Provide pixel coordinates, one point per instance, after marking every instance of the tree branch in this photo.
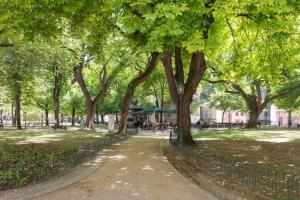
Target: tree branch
(167, 63)
(134, 11)
(283, 93)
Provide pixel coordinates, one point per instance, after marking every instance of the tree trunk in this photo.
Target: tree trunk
(102, 118)
(223, 115)
(290, 118)
(56, 109)
(253, 118)
(117, 119)
(125, 110)
(42, 121)
(13, 116)
(61, 118)
(186, 128)
(18, 110)
(196, 72)
(97, 117)
(47, 117)
(73, 115)
(130, 90)
(90, 111)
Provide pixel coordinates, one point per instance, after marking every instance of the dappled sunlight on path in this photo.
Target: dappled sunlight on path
(134, 169)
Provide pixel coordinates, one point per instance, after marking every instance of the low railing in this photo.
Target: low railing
(269, 183)
(17, 176)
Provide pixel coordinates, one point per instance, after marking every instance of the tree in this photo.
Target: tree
(73, 102)
(136, 81)
(160, 25)
(157, 86)
(17, 69)
(225, 101)
(104, 68)
(290, 103)
(56, 69)
(260, 61)
(44, 101)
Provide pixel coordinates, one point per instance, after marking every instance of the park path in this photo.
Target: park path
(134, 169)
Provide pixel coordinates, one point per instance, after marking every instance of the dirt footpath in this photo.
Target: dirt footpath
(135, 169)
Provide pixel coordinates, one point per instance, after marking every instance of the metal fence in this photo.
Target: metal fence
(88, 150)
(18, 175)
(269, 183)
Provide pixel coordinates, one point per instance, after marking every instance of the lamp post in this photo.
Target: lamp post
(180, 91)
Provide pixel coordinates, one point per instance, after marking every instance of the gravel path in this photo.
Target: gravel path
(134, 169)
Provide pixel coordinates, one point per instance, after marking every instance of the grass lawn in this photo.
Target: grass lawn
(276, 135)
(29, 156)
(276, 149)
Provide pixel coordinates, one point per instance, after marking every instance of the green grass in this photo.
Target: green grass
(272, 135)
(29, 156)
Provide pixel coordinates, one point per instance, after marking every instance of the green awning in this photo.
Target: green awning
(158, 110)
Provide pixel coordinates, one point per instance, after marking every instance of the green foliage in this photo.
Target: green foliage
(224, 101)
(17, 67)
(290, 102)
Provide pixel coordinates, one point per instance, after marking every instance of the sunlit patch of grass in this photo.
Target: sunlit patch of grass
(269, 135)
(44, 135)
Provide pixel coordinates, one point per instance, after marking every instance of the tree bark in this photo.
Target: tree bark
(56, 109)
(223, 115)
(13, 116)
(58, 84)
(104, 83)
(290, 118)
(117, 119)
(131, 87)
(18, 110)
(253, 118)
(186, 128)
(97, 117)
(90, 110)
(102, 118)
(73, 115)
(47, 117)
(196, 72)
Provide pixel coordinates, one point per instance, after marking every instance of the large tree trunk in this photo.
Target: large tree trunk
(130, 90)
(125, 110)
(73, 115)
(90, 111)
(18, 110)
(290, 118)
(196, 72)
(186, 128)
(253, 118)
(47, 116)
